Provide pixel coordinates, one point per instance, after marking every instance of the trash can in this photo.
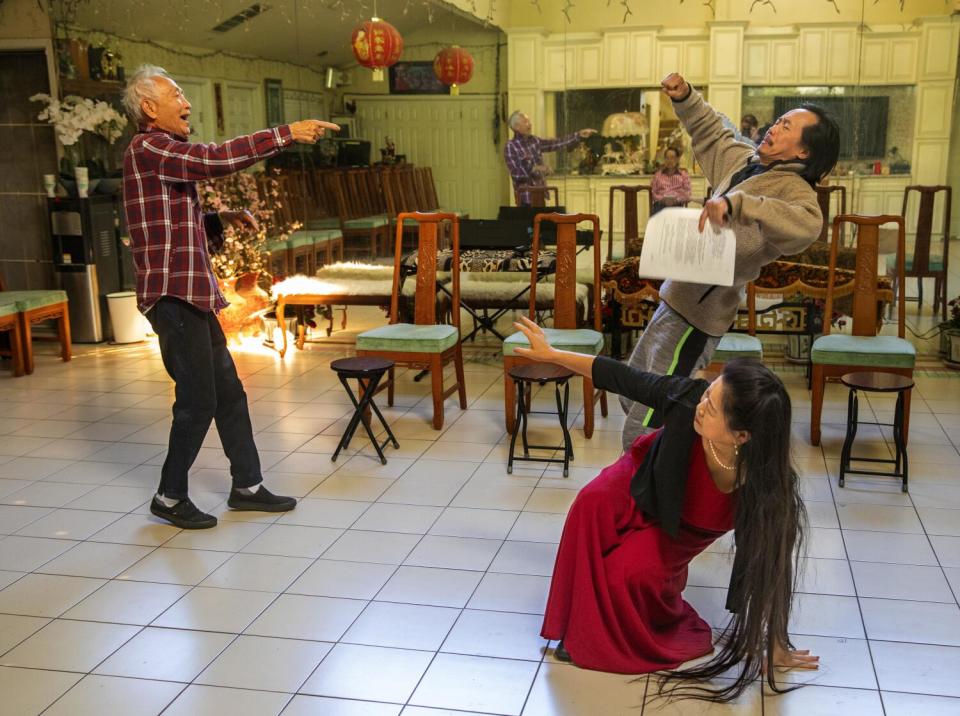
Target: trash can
(125, 317)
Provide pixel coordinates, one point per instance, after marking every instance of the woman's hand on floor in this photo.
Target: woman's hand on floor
(784, 658)
(539, 349)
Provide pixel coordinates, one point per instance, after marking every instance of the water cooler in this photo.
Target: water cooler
(86, 260)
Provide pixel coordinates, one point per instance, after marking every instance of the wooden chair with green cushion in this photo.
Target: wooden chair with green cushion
(834, 354)
(740, 345)
(372, 231)
(825, 194)
(36, 306)
(10, 324)
(631, 215)
(566, 333)
(423, 344)
(920, 263)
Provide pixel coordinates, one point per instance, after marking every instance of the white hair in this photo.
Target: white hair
(140, 86)
(514, 120)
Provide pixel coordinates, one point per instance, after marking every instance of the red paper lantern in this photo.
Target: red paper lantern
(453, 66)
(376, 44)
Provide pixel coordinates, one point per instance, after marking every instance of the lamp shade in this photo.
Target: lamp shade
(624, 124)
(376, 44)
(453, 66)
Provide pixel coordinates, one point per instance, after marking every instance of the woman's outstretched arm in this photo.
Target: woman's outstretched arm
(541, 351)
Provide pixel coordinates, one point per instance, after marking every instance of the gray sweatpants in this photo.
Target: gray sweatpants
(668, 346)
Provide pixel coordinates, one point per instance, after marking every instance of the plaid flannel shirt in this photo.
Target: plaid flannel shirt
(676, 186)
(172, 237)
(525, 151)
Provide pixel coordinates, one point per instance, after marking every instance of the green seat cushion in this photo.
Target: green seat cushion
(8, 308)
(576, 340)
(299, 239)
(323, 235)
(734, 345)
(935, 263)
(274, 245)
(367, 222)
(880, 351)
(329, 222)
(28, 300)
(409, 338)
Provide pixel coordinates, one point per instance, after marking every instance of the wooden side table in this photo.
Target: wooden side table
(524, 376)
(875, 382)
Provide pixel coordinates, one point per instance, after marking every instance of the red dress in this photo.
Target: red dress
(616, 596)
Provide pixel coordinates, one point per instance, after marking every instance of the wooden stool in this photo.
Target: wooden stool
(524, 376)
(368, 370)
(872, 382)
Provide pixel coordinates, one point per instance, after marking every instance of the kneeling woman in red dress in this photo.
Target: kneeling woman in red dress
(721, 461)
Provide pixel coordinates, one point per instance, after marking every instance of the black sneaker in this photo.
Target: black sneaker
(184, 514)
(560, 653)
(260, 501)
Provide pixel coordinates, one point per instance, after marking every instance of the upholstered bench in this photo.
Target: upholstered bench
(33, 307)
(340, 284)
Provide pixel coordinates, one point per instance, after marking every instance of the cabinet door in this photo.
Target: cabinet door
(871, 202)
(873, 60)
(558, 67)
(669, 57)
(577, 197)
(643, 59)
(813, 55)
(784, 61)
(902, 67)
(589, 65)
(523, 52)
(696, 61)
(842, 60)
(756, 62)
(616, 59)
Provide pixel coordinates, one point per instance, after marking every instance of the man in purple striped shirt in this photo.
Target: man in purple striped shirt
(178, 292)
(524, 153)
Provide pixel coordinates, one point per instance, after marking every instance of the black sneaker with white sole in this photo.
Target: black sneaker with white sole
(184, 514)
(260, 501)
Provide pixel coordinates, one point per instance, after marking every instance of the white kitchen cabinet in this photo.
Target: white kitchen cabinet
(523, 54)
(588, 65)
(696, 61)
(783, 54)
(616, 59)
(558, 65)
(842, 61)
(902, 62)
(642, 50)
(757, 62)
(814, 46)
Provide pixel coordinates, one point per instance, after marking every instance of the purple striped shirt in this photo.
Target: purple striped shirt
(525, 151)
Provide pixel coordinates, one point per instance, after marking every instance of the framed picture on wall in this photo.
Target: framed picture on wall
(415, 78)
(273, 90)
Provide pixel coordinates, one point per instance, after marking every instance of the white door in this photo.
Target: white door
(198, 92)
(241, 110)
(451, 135)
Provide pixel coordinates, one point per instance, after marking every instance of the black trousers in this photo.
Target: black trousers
(195, 355)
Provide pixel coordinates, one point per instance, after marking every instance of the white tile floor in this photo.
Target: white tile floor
(414, 588)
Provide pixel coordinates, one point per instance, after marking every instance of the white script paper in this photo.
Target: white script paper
(674, 248)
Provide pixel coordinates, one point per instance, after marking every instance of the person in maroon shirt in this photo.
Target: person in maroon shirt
(177, 290)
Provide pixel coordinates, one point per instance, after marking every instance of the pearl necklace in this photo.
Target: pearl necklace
(716, 457)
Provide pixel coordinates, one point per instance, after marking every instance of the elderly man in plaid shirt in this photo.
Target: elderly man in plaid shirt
(176, 288)
(524, 153)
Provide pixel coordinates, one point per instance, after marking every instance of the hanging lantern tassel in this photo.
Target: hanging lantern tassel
(453, 66)
(376, 44)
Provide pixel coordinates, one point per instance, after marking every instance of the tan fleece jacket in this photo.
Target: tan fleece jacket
(774, 214)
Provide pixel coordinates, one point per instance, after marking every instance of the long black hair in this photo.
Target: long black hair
(770, 527)
(822, 141)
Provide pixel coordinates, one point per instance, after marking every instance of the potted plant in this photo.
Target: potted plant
(241, 265)
(74, 119)
(950, 335)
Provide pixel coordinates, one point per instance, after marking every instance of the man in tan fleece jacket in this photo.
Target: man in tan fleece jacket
(765, 195)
